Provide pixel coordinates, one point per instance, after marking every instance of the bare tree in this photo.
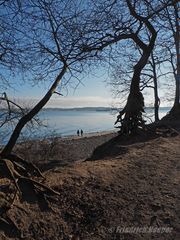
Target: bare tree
(134, 118)
(170, 17)
(54, 40)
(132, 112)
(150, 76)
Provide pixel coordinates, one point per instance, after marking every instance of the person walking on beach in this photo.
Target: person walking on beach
(78, 132)
(81, 132)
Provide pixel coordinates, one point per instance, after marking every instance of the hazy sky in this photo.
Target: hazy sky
(94, 91)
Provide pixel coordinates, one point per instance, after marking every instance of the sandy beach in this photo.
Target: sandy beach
(63, 150)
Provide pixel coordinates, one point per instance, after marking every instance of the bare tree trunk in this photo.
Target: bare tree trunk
(176, 107)
(156, 97)
(135, 96)
(135, 104)
(29, 116)
(134, 108)
(177, 41)
(156, 103)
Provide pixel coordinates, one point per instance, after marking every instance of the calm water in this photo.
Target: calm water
(66, 122)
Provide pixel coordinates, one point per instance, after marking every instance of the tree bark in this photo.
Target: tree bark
(29, 116)
(176, 106)
(156, 97)
(135, 104)
(156, 103)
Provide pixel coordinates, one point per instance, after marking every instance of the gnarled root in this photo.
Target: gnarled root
(23, 176)
(9, 227)
(17, 173)
(130, 117)
(26, 168)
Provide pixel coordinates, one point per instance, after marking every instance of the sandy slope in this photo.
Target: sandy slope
(124, 184)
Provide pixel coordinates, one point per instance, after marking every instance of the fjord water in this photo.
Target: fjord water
(65, 122)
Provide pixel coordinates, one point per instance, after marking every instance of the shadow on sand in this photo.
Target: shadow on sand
(120, 144)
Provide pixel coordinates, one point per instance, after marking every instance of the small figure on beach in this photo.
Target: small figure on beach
(78, 132)
(81, 132)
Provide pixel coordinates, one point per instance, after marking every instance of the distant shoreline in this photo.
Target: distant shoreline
(92, 108)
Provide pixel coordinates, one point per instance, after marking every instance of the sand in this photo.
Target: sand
(106, 183)
(63, 151)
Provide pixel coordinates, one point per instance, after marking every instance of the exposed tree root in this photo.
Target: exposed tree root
(13, 171)
(21, 174)
(25, 167)
(163, 128)
(130, 117)
(173, 115)
(9, 227)
(6, 224)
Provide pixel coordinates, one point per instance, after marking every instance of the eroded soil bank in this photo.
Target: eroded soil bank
(132, 183)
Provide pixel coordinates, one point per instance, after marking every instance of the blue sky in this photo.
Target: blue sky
(93, 92)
